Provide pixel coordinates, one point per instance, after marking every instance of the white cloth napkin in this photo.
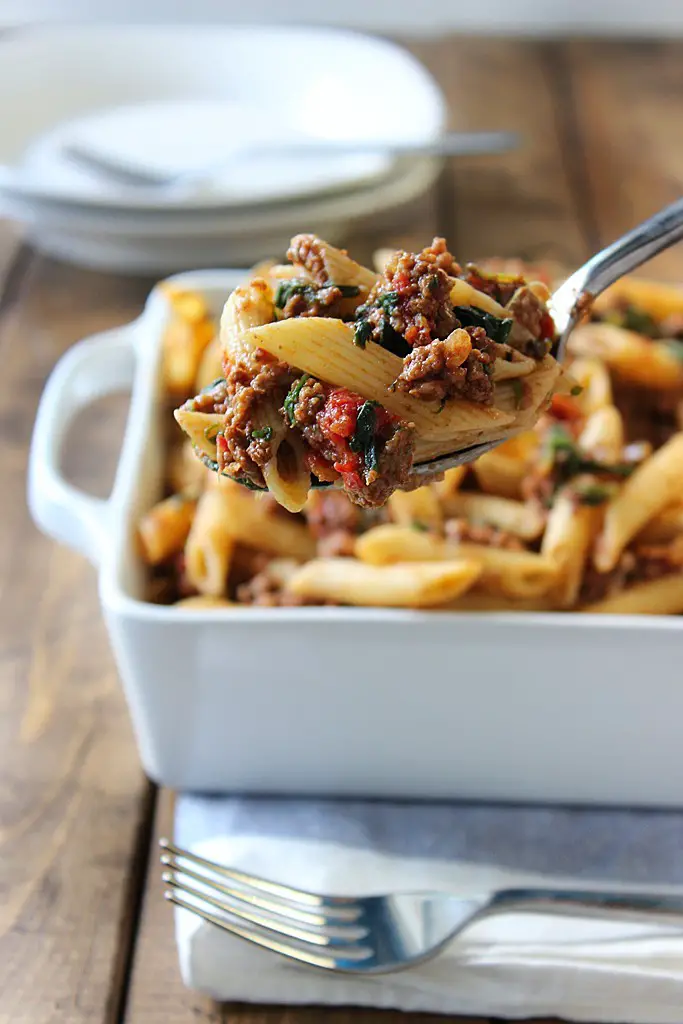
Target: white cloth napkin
(511, 966)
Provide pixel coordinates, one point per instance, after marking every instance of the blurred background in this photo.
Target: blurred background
(537, 17)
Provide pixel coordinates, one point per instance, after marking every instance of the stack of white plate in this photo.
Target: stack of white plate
(176, 99)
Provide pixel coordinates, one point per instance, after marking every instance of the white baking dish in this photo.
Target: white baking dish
(552, 707)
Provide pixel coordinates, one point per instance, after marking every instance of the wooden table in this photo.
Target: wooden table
(84, 933)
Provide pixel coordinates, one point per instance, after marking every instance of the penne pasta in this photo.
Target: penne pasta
(510, 573)
(655, 597)
(655, 298)
(515, 517)
(421, 507)
(452, 479)
(163, 530)
(593, 378)
(568, 536)
(652, 487)
(184, 471)
(210, 545)
(629, 355)
(413, 585)
(603, 435)
(665, 527)
(210, 366)
(251, 519)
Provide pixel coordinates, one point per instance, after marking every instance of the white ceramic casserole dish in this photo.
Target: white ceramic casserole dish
(533, 707)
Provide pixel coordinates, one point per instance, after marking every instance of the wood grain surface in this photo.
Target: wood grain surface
(84, 933)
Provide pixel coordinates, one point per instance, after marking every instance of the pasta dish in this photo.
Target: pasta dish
(331, 373)
(584, 511)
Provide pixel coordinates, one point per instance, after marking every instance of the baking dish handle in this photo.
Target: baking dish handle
(98, 366)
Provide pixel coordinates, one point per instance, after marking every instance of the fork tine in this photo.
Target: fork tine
(311, 957)
(244, 896)
(283, 892)
(274, 925)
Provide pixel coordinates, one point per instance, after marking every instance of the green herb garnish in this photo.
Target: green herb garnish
(421, 527)
(348, 291)
(212, 432)
(594, 494)
(288, 289)
(569, 460)
(496, 329)
(264, 434)
(293, 397)
(576, 390)
(362, 332)
(364, 440)
(433, 283)
(388, 302)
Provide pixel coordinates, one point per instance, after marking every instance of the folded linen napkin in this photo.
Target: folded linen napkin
(514, 966)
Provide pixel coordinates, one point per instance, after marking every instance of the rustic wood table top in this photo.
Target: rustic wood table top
(84, 933)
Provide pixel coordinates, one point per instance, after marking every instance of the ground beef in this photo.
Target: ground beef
(501, 289)
(461, 531)
(438, 371)
(413, 296)
(308, 300)
(393, 469)
(310, 401)
(249, 385)
(528, 310)
(633, 567)
(308, 251)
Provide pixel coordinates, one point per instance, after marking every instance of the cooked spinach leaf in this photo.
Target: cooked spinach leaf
(264, 434)
(364, 439)
(496, 329)
(293, 397)
(362, 332)
(295, 286)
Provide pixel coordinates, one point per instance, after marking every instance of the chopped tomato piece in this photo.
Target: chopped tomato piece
(564, 407)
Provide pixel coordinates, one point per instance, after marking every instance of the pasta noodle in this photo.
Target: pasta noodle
(415, 585)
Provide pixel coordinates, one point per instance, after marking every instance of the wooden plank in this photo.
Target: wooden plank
(73, 800)
(528, 202)
(628, 103)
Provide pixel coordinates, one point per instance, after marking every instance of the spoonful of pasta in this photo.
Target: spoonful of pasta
(336, 374)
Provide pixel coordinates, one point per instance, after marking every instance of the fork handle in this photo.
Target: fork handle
(634, 248)
(601, 904)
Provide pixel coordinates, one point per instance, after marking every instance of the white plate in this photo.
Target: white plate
(158, 245)
(171, 98)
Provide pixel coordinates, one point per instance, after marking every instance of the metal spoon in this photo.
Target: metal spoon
(121, 172)
(628, 252)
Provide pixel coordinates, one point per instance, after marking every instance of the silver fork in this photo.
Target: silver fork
(630, 251)
(369, 934)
